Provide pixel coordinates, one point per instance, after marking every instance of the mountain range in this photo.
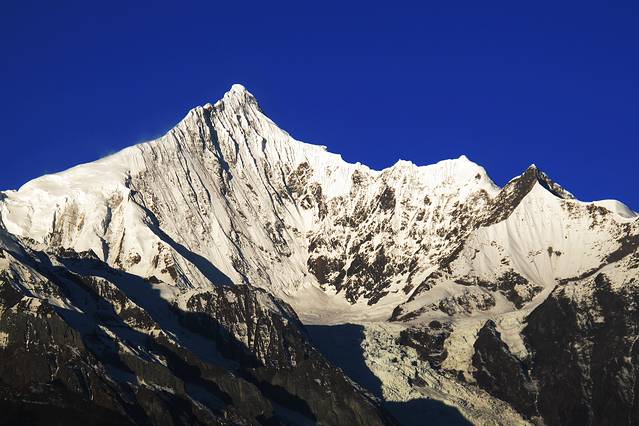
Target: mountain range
(227, 273)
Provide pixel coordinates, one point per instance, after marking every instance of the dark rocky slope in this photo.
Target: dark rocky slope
(79, 340)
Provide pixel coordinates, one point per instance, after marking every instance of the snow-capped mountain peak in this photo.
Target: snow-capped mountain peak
(544, 180)
(239, 95)
(219, 163)
(228, 198)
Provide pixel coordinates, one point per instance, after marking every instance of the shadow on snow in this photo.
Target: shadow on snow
(341, 345)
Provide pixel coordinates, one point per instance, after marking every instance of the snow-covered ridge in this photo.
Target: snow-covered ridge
(231, 147)
(110, 169)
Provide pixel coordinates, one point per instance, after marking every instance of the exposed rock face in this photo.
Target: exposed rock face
(168, 283)
(501, 373)
(428, 341)
(80, 338)
(264, 333)
(371, 243)
(582, 364)
(584, 356)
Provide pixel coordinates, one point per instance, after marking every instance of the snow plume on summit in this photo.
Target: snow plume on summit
(207, 248)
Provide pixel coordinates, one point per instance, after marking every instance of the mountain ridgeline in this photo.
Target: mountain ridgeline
(206, 277)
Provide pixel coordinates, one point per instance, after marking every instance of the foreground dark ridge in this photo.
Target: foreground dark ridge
(116, 352)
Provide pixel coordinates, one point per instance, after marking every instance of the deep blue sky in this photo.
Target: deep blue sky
(507, 84)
